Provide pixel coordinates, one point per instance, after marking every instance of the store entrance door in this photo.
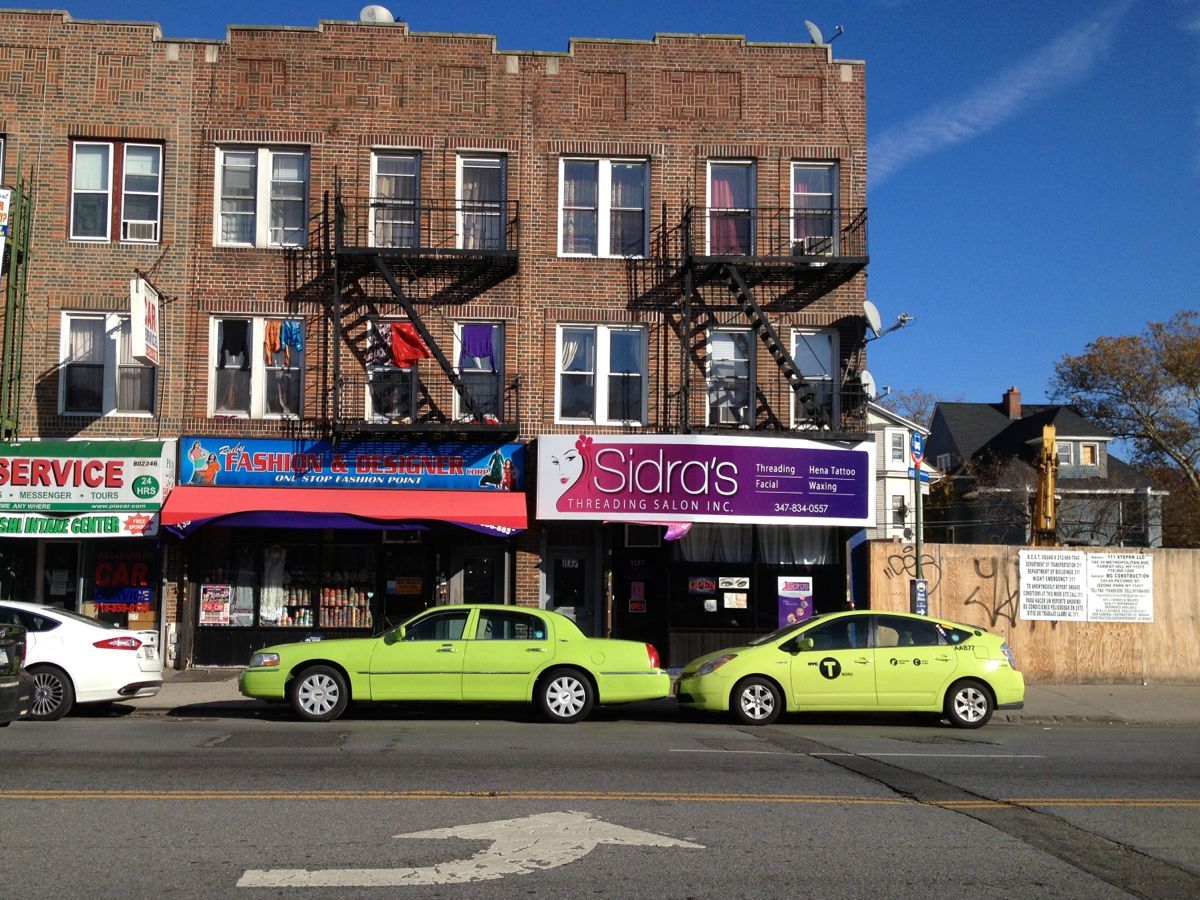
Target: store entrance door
(479, 574)
(570, 586)
(60, 574)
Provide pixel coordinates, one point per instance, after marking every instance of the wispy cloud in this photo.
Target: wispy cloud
(1060, 63)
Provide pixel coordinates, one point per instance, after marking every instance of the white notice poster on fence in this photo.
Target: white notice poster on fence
(1073, 586)
(1053, 585)
(1120, 587)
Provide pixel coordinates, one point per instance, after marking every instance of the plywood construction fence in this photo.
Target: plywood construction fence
(979, 584)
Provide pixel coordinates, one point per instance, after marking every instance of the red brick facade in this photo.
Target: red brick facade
(341, 89)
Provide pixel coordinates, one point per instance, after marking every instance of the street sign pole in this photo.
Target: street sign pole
(918, 455)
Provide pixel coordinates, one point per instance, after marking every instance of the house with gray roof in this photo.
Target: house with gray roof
(989, 451)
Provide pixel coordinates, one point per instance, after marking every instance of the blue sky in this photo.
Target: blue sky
(1034, 167)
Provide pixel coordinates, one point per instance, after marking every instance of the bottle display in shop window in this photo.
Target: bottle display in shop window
(346, 600)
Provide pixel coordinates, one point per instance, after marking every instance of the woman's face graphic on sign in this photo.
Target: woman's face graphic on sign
(568, 466)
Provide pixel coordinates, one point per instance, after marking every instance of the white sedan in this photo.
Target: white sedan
(77, 659)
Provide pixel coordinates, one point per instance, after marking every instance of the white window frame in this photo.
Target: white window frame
(3, 147)
(482, 159)
(832, 378)
(255, 337)
(896, 511)
(115, 195)
(378, 201)
(1095, 448)
(128, 224)
(750, 211)
(107, 191)
(818, 245)
(1064, 452)
(263, 198)
(751, 376)
(897, 441)
(113, 324)
(943, 462)
(604, 207)
(601, 372)
(498, 337)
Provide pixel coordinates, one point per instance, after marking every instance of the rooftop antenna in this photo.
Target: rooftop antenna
(839, 31)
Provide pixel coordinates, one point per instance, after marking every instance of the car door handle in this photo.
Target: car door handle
(445, 648)
(863, 662)
(535, 649)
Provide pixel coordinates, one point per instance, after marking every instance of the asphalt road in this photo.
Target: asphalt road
(492, 803)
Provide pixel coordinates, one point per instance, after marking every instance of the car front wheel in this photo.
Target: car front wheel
(565, 695)
(53, 694)
(319, 694)
(969, 705)
(756, 701)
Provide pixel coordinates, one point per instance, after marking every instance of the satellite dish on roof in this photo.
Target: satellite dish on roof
(814, 32)
(867, 380)
(874, 322)
(375, 14)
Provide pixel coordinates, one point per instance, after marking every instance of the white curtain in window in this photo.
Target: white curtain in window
(87, 341)
(91, 168)
(795, 544)
(718, 544)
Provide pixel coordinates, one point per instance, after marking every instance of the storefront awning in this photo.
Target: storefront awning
(491, 512)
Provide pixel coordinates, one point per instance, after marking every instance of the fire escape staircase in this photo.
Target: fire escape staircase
(812, 410)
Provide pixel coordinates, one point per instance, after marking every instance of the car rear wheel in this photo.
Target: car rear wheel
(756, 701)
(53, 694)
(969, 704)
(565, 695)
(319, 694)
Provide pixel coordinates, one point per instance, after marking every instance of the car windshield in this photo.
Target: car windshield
(79, 617)
(781, 633)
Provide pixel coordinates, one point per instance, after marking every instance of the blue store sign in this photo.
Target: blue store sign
(450, 465)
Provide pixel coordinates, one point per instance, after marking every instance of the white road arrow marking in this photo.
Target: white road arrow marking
(519, 846)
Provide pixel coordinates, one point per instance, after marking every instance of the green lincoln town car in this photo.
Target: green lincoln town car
(859, 661)
(470, 653)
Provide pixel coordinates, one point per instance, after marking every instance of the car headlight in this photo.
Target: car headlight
(713, 664)
(264, 660)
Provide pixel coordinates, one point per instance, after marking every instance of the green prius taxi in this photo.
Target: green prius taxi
(859, 661)
(471, 653)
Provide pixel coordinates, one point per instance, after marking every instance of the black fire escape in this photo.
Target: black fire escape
(720, 265)
(376, 262)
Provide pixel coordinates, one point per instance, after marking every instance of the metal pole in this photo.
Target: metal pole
(917, 521)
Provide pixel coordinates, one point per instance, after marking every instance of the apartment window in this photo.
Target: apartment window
(731, 377)
(1089, 454)
(394, 348)
(480, 352)
(395, 218)
(602, 374)
(481, 208)
(816, 356)
(136, 170)
(258, 367)
(262, 197)
(814, 208)
(899, 510)
(1064, 452)
(731, 191)
(602, 207)
(898, 445)
(3, 145)
(99, 374)
(943, 462)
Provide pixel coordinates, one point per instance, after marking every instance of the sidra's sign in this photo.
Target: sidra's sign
(702, 478)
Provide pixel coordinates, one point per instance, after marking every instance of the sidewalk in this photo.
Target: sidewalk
(213, 691)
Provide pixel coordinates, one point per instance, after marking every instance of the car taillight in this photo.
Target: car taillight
(1008, 654)
(118, 643)
(653, 654)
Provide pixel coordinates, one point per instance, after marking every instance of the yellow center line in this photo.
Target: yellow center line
(812, 799)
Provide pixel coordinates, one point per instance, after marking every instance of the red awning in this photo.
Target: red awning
(495, 512)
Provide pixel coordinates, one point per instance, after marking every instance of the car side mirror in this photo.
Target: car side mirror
(804, 644)
(394, 636)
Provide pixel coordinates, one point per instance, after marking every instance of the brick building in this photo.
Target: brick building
(405, 282)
